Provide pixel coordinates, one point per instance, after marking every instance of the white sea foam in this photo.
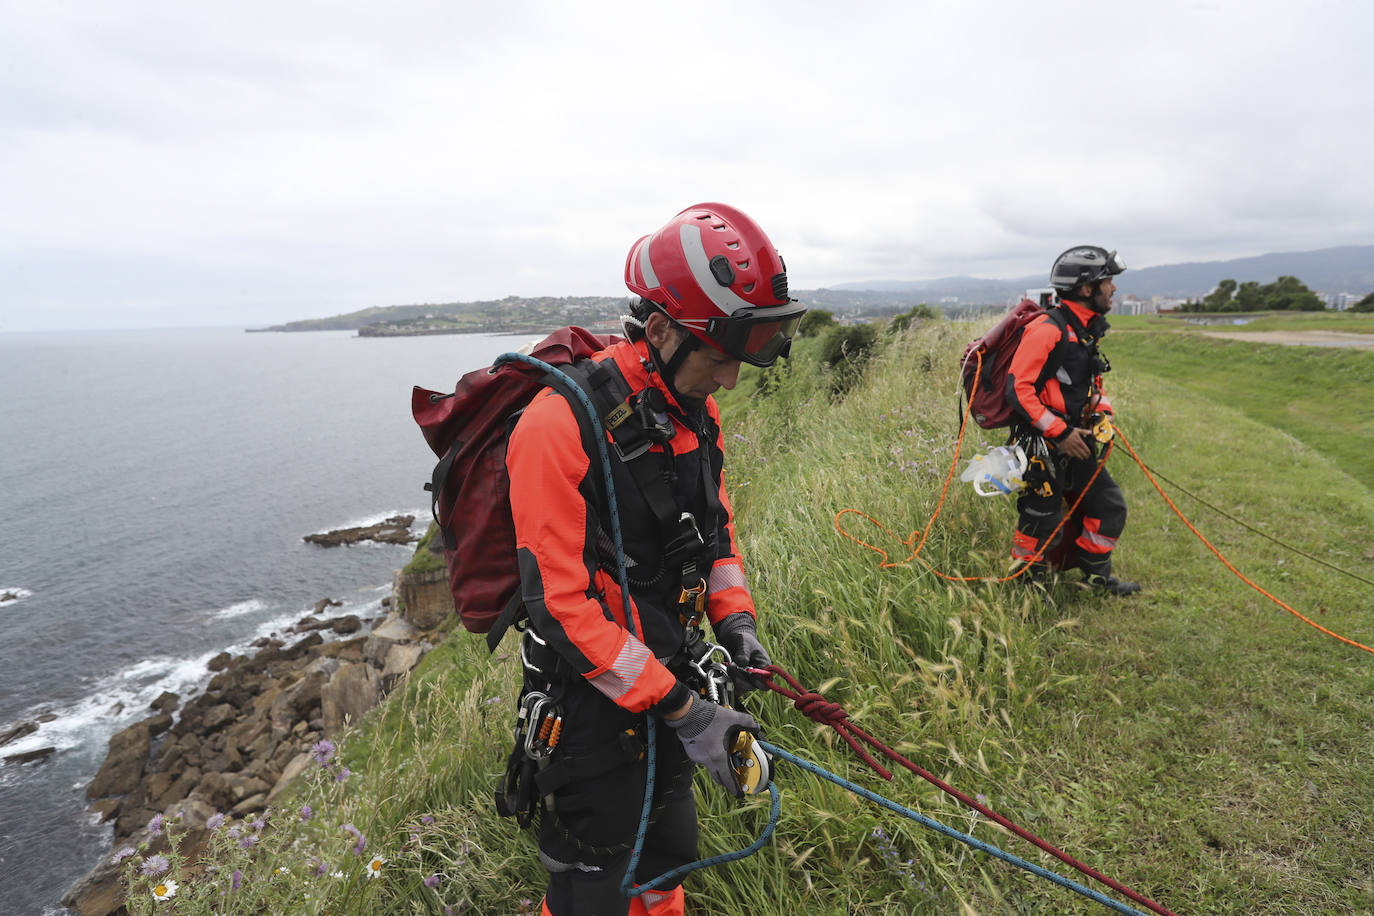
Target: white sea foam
(126, 696)
(13, 595)
(251, 606)
(117, 700)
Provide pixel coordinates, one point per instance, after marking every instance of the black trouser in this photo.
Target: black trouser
(1041, 506)
(586, 840)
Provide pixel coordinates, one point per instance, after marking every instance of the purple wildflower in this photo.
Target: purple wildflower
(426, 819)
(432, 881)
(323, 751)
(321, 869)
(154, 866)
(249, 841)
(306, 812)
(122, 854)
(234, 831)
(235, 880)
(343, 774)
(357, 835)
(258, 825)
(215, 821)
(155, 825)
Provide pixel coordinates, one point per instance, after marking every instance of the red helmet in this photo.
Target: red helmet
(712, 270)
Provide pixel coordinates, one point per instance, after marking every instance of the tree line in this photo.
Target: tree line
(1286, 294)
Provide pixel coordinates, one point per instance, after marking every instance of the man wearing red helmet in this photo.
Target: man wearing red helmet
(1055, 384)
(713, 294)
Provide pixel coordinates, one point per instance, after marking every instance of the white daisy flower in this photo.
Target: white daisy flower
(374, 867)
(165, 890)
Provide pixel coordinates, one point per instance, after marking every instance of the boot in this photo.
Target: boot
(1097, 577)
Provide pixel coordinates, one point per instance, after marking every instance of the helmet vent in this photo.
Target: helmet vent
(749, 287)
(743, 265)
(780, 287)
(732, 245)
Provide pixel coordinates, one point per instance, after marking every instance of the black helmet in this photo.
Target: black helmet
(1084, 264)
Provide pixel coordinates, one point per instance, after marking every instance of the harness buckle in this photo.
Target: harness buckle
(691, 604)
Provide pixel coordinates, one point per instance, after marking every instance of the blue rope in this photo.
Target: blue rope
(951, 832)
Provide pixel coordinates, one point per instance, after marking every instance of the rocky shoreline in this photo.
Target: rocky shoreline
(237, 747)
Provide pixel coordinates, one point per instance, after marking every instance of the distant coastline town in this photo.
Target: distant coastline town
(1330, 279)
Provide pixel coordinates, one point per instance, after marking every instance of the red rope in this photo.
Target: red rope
(818, 708)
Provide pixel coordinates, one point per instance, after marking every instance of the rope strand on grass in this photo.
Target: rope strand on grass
(814, 705)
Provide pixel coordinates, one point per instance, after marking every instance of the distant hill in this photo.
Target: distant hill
(1346, 269)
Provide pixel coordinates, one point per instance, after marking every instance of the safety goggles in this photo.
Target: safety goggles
(757, 336)
(1114, 264)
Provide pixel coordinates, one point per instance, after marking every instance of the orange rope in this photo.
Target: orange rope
(1227, 563)
(939, 506)
(886, 563)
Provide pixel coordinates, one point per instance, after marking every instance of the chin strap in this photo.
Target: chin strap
(668, 371)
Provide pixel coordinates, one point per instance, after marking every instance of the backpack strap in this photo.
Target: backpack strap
(513, 612)
(637, 421)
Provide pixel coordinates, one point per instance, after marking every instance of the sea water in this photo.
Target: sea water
(155, 487)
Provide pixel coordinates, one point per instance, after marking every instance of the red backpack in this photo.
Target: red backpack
(988, 405)
(469, 489)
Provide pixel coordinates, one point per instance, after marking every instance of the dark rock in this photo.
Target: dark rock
(124, 763)
(41, 753)
(351, 692)
(217, 716)
(347, 624)
(167, 702)
(307, 624)
(300, 648)
(158, 724)
(324, 603)
(219, 662)
(395, 530)
(250, 805)
(19, 731)
(106, 808)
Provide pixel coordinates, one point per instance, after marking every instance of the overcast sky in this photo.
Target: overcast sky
(249, 163)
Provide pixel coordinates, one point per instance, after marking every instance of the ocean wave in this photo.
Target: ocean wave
(13, 595)
(115, 701)
(118, 700)
(252, 606)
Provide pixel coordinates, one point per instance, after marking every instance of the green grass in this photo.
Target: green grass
(1347, 322)
(1197, 743)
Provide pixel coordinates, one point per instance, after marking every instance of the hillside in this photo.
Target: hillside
(1197, 743)
(1333, 270)
(1342, 269)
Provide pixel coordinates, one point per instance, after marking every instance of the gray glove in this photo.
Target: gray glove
(738, 635)
(706, 732)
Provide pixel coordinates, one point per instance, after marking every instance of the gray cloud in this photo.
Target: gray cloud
(254, 162)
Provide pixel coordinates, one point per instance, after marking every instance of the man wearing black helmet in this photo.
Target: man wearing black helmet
(1055, 383)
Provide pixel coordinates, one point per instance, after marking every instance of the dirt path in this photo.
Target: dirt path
(1301, 338)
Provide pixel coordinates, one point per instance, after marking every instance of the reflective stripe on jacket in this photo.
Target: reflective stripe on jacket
(568, 581)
